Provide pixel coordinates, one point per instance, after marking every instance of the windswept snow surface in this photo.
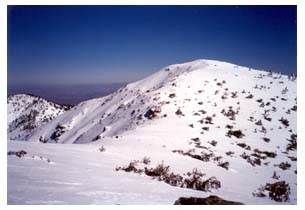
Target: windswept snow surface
(195, 108)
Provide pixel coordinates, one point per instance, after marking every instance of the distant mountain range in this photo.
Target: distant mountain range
(66, 94)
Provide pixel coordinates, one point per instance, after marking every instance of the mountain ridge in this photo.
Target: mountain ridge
(143, 92)
(27, 112)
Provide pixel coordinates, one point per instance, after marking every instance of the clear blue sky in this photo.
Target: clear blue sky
(105, 44)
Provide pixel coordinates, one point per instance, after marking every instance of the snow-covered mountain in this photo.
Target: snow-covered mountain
(235, 124)
(183, 95)
(25, 113)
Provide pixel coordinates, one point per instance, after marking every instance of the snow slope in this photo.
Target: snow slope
(228, 121)
(192, 82)
(25, 113)
(80, 174)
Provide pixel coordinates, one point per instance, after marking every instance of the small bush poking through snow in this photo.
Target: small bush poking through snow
(146, 160)
(196, 182)
(224, 164)
(284, 121)
(265, 153)
(244, 145)
(259, 122)
(213, 143)
(130, 168)
(294, 108)
(284, 165)
(249, 96)
(208, 120)
(266, 139)
(230, 113)
(102, 149)
(230, 153)
(161, 172)
(275, 176)
(19, 154)
(229, 126)
(237, 133)
(252, 162)
(205, 157)
(179, 112)
(292, 143)
(278, 191)
(172, 95)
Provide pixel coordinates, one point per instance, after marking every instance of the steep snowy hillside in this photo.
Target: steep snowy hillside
(25, 113)
(211, 127)
(185, 94)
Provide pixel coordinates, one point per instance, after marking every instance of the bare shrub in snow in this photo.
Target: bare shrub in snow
(292, 158)
(249, 96)
(253, 162)
(146, 160)
(213, 143)
(224, 164)
(294, 108)
(230, 153)
(292, 143)
(205, 157)
(265, 153)
(237, 133)
(102, 149)
(208, 120)
(244, 145)
(275, 176)
(259, 123)
(259, 192)
(130, 168)
(202, 111)
(42, 139)
(266, 139)
(230, 113)
(172, 95)
(179, 112)
(59, 130)
(266, 115)
(285, 90)
(152, 112)
(229, 126)
(278, 191)
(284, 165)
(223, 97)
(284, 121)
(217, 158)
(234, 94)
(195, 181)
(161, 172)
(19, 154)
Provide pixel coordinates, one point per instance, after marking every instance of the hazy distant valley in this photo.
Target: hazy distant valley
(66, 94)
